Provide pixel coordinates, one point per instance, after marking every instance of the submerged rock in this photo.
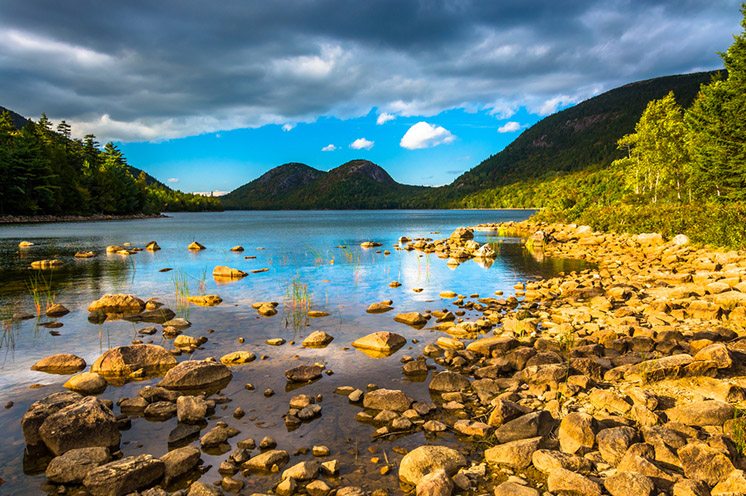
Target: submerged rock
(205, 300)
(317, 339)
(238, 358)
(195, 374)
(387, 399)
(304, 373)
(61, 363)
(39, 411)
(224, 272)
(414, 319)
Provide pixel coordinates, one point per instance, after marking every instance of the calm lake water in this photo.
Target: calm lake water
(301, 250)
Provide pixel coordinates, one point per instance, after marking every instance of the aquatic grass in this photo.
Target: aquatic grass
(41, 290)
(298, 302)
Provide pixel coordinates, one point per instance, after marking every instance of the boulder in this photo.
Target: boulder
(446, 382)
(152, 246)
(668, 367)
(734, 484)
(305, 470)
(562, 481)
(545, 461)
(382, 341)
(701, 413)
(387, 399)
(125, 476)
(134, 360)
(380, 307)
(493, 344)
(304, 373)
(57, 310)
(195, 246)
(576, 432)
(202, 489)
(508, 488)
(530, 425)
(614, 442)
(629, 484)
(84, 424)
(414, 319)
(264, 462)
(191, 409)
(61, 363)
(196, 374)
(317, 339)
(127, 304)
(224, 272)
(237, 358)
(39, 411)
(426, 459)
(72, 466)
(704, 463)
(436, 483)
(504, 411)
(87, 383)
(179, 462)
(716, 352)
(513, 454)
(205, 300)
(462, 234)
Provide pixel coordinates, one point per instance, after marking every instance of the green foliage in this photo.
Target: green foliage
(46, 172)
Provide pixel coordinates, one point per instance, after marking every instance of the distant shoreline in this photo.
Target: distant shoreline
(43, 219)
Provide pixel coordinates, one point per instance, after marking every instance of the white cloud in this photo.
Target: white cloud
(362, 144)
(329, 148)
(509, 127)
(384, 118)
(287, 127)
(425, 135)
(172, 180)
(551, 105)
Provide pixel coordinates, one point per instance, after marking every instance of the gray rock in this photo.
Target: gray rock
(87, 423)
(124, 476)
(191, 409)
(196, 374)
(39, 411)
(387, 399)
(179, 462)
(74, 465)
(447, 382)
(304, 373)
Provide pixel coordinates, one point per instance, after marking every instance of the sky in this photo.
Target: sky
(209, 95)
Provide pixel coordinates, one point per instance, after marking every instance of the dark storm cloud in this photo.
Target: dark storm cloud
(147, 70)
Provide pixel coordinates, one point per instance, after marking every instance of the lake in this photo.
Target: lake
(313, 253)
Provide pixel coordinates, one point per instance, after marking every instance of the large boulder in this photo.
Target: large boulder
(196, 374)
(39, 411)
(576, 432)
(462, 234)
(382, 341)
(126, 304)
(421, 461)
(86, 383)
(72, 466)
(137, 360)
(124, 476)
(84, 424)
(704, 463)
(61, 363)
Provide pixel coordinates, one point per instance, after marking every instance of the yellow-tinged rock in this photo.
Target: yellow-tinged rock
(237, 248)
(25, 244)
(238, 358)
(85, 254)
(317, 313)
(224, 272)
(152, 246)
(205, 300)
(195, 246)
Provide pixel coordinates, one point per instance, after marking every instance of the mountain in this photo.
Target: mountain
(576, 138)
(18, 120)
(358, 184)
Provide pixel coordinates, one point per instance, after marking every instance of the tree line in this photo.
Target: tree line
(44, 171)
(697, 154)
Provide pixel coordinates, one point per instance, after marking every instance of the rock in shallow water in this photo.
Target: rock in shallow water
(140, 359)
(74, 465)
(195, 374)
(61, 363)
(86, 423)
(425, 459)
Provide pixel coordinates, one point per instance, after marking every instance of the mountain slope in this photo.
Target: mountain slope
(272, 188)
(576, 138)
(358, 184)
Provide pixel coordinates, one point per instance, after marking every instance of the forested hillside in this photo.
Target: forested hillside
(45, 171)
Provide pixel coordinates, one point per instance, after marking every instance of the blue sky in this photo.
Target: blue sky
(199, 92)
(223, 160)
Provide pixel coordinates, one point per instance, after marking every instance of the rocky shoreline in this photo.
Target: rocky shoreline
(39, 219)
(625, 379)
